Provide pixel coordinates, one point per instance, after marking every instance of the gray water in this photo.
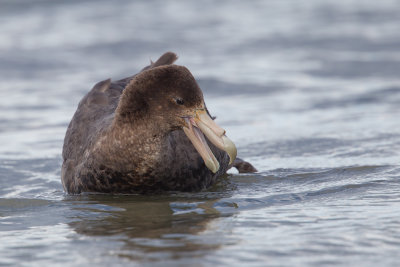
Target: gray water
(308, 90)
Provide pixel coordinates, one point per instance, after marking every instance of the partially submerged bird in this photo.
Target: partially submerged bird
(145, 133)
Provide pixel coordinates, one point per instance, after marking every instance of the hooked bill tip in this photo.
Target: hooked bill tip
(211, 165)
(230, 148)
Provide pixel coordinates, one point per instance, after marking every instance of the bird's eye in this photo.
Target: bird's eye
(179, 101)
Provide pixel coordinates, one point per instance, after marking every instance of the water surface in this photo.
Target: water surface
(309, 92)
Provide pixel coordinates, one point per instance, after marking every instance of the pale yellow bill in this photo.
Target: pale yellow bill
(203, 124)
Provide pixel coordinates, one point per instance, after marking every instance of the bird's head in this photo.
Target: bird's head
(168, 98)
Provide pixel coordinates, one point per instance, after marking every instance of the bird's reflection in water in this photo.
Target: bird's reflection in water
(150, 225)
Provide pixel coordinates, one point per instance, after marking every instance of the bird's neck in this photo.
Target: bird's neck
(137, 147)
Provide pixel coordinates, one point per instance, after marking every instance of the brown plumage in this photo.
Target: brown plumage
(126, 136)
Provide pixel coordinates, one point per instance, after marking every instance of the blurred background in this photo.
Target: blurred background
(332, 64)
(308, 90)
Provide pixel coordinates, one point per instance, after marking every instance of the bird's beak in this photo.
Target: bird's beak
(202, 124)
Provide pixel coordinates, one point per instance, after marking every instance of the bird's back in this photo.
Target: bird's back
(94, 115)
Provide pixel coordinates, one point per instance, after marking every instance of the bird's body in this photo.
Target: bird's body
(127, 137)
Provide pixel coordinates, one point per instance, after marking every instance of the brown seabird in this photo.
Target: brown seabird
(145, 133)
